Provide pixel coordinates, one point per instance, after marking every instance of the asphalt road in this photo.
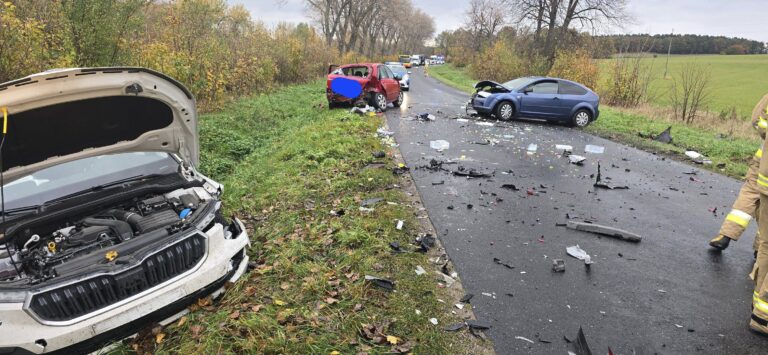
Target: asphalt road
(668, 294)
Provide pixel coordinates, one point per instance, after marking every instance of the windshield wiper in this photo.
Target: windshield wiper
(131, 179)
(13, 211)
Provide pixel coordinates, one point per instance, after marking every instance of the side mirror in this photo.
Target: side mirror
(398, 77)
(527, 90)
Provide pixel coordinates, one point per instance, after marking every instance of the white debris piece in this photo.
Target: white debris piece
(399, 224)
(459, 305)
(564, 147)
(526, 339)
(578, 253)
(433, 321)
(462, 120)
(693, 154)
(439, 144)
(532, 148)
(384, 133)
(418, 312)
(420, 270)
(594, 149)
(488, 124)
(576, 159)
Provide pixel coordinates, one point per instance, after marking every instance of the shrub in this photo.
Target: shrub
(499, 62)
(628, 81)
(576, 65)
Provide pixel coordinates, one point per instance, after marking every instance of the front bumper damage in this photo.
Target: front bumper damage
(225, 261)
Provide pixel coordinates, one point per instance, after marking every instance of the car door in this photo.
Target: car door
(570, 96)
(388, 82)
(541, 99)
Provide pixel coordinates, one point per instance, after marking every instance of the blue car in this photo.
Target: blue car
(537, 97)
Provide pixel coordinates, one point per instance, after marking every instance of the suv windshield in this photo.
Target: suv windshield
(517, 83)
(75, 176)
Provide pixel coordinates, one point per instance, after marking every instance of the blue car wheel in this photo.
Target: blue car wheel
(581, 118)
(504, 110)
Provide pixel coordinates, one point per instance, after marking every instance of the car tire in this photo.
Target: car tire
(504, 111)
(581, 118)
(399, 100)
(379, 101)
(332, 105)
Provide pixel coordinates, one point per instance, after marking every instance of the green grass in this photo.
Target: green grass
(458, 78)
(736, 80)
(627, 128)
(286, 161)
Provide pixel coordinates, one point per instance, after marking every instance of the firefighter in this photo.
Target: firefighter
(748, 201)
(759, 319)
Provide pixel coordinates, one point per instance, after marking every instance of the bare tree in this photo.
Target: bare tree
(485, 18)
(690, 91)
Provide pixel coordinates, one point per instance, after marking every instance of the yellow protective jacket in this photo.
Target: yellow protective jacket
(760, 122)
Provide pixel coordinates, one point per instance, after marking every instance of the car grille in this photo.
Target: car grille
(83, 297)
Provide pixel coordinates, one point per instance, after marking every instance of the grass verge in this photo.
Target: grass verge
(286, 161)
(729, 155)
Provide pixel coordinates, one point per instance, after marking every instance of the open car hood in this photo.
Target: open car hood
(487, 83)
(64, 115)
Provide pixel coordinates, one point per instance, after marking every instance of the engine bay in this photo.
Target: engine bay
(46, 252)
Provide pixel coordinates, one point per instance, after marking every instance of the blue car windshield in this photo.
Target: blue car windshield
(517, 83)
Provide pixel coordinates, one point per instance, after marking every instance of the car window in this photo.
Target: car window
(390, 74)
(67, 178)
(567, 88)
(384, 72)
(360, 71)
(545, 87)
(397, 69)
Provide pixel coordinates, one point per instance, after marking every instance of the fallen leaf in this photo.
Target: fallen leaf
(279, 302)
(335, 352)
(159, 337)
(393, 339)
(234, 315)
(358, 307)
(181, 322)
(331, 300)
(256, 308)
(284, 286)
(196, 330)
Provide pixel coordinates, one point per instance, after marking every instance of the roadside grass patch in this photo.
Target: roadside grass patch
(457, 78)
(286, 162)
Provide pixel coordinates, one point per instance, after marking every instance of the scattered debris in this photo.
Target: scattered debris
(441, 182)
(459, 305)
(433, 321)
(338, 213)
(400, 169)
(382, 283)
(594, 149)
(455, 327)
(471, 173)
(425, 242)
(697, 157)
(467, 298)
(665, 137)
(604, 230)
(532, 148)
(371, 201)
(525, 339)
(510, 187)
(498, 261)
(576, 159)
(384, 133)
(362, 110)
(439, 145)
(395, 246)
(602, 185)
(476, 324)
(399, 224)
(425, 116)
(420, 270)
(380, 154)
(578, 253)
(564, 147)
(488, 124)
(558, 265)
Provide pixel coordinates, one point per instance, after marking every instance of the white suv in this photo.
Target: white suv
(107, 224)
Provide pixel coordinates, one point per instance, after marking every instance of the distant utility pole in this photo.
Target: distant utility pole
(669, 51)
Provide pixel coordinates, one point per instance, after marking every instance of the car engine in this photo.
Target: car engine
(45, 254)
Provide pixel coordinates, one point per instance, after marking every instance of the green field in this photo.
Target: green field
(736, 80)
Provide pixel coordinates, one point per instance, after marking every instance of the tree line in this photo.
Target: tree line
(218, 51)
(682, 44)
(372, 27)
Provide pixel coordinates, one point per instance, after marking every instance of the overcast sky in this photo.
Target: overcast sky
(735, 18)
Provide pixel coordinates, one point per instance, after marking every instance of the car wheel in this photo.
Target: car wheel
(581, 118)
(505, 111)
(379, 101)
(332, 105)
(399, 100)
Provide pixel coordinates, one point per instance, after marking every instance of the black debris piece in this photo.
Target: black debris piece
(380, 154)
(469, 206)
(470, 173)
(338, 213)
(450, 207)
(561, 224)
(441, 182)
(510, 187)
(599, 184)
(395, 246)
(576, 159)
(664, 137)
(569, 341)
(371, 201)
(509, 295)
(379, 282)
(476, 324)
(402, 169)
(425, 242)
(581, 346)
(466, 298)
(507, 265)
(604, 230)
(720, 165)
(455, 327)
(483, 142)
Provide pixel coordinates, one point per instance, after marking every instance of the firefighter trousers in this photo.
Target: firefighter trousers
(759, 321)
(745, 207)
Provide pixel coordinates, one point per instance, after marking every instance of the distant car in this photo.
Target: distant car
(379, 86)
(537, 97)
(415, 62)
(401, 74)
(405, 60)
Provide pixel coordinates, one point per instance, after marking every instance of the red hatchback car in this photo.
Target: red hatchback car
(379, 85)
